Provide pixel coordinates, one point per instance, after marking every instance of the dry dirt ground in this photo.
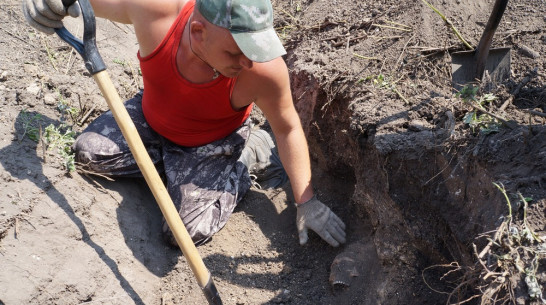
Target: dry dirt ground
(392, 156)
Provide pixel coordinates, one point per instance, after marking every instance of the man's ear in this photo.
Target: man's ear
(198, 31)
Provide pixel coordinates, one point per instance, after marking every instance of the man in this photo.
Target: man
(204, 64)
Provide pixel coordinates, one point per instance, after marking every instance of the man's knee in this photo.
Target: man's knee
(198, 237)
(98, 154)
(95, 144)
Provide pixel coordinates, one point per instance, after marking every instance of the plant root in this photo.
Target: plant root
(510, 257)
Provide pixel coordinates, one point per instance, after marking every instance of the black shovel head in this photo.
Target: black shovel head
(463, 67)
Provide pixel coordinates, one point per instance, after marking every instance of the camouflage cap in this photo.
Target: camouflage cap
(250, 23)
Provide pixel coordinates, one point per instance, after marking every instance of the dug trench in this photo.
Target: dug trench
(420, 194)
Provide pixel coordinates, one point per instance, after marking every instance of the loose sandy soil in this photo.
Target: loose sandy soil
(396, 162)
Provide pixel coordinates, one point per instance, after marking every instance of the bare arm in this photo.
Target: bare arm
(115, 10)
(150, 18)
(131, 11)
(270, 90)
(275, 100)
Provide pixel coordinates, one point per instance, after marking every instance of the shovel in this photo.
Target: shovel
(95, 65)
(469, 66)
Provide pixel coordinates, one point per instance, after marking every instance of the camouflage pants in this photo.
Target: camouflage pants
(205, 183)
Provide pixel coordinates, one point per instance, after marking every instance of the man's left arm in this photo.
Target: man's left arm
(274, 98)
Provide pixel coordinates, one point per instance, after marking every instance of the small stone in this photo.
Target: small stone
(11, 97)
(33, 89)
(527, 51)
(419, 125)
(50, 99)
(287, 269)
(31, 69)
(3, 76)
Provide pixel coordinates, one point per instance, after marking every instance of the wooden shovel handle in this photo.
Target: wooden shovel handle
(95, 65)
(155, 183)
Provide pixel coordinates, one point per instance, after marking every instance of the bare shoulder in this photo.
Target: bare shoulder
(162, 7)
(146, 10)
(135, 11)
(266, 77)
(273, 70)
(265, 83)
(153, 20)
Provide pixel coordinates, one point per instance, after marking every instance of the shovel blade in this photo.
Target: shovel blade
(463, 67)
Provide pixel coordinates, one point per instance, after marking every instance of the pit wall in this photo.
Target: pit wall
(426, 203)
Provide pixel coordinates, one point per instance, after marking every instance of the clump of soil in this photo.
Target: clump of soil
(392, 156)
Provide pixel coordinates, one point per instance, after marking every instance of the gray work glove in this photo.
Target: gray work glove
(46, 15)
(314, 215)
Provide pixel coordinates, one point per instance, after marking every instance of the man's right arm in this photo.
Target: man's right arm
(116, 10)
(150, 18)
(135, 11)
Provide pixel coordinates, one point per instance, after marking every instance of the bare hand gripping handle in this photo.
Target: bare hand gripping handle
(94, 63)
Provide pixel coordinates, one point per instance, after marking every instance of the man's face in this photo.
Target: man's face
(223, 53)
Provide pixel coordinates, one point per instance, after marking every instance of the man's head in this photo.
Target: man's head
(250, 22)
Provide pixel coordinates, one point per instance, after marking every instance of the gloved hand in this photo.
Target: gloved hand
(46, 15)
(314, 215)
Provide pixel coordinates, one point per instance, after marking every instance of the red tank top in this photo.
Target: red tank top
(187, 114)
